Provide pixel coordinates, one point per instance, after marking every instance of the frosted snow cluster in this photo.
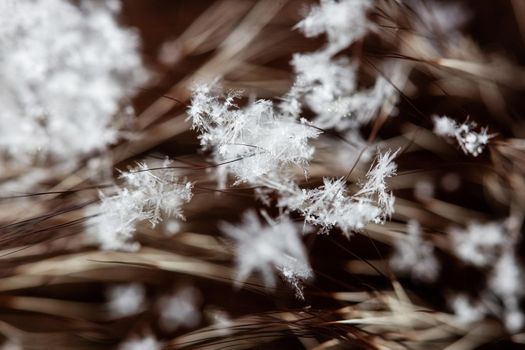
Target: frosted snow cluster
(261, 142)
(254, 141)
(333, 95)
(470, 141)
(269, 247)
(146, 195)
(330, 205)
(327, 84)
(65, 71)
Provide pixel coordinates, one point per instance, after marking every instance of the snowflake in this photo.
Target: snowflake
(470, 141)
(146, 195)
(266, 248)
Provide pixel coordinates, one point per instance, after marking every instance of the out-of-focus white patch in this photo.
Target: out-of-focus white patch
(441, 19)
(66, 70)
(266, 248)
(126, 300)
(506, 281)
(140, 343)
(343, 22)
(415, 256)
(180, 309)
(479, 244)
(466, 310)
(424, 189)
(221, 321)
(172, 227)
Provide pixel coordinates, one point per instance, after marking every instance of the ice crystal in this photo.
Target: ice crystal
(323, 78)
(145, 195)
(267, 248)
(470, 141)
(249, 142)
(330, 205)
(328, 84)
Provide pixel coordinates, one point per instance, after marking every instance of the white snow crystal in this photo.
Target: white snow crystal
(470, 141)
(65, 71)
(444, 126)
(146, 195)
(330, 205)
(159, 191)
(323, 77)
(375, 184)
(250, 142)
(268, 247)
(328, 87)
